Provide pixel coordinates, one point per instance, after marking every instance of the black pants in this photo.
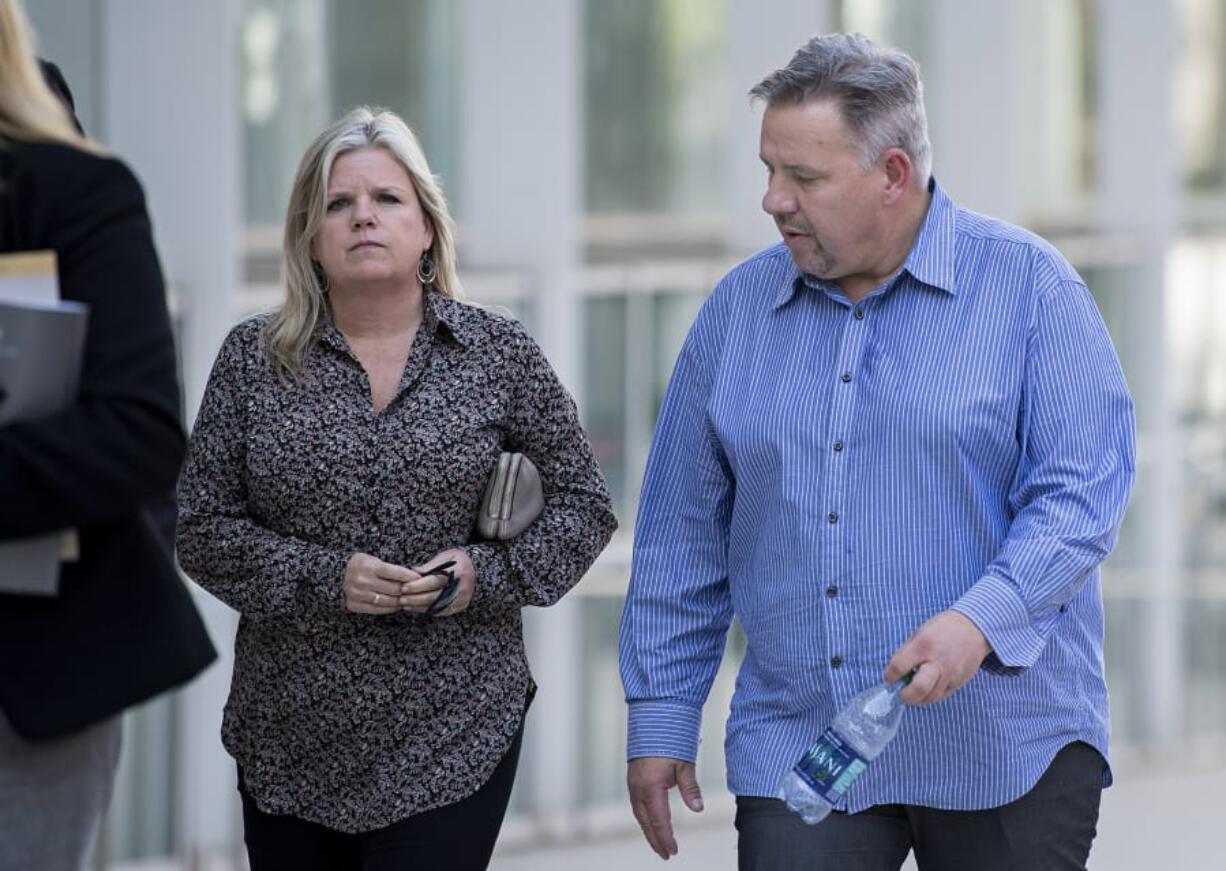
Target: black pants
(1048, 829)
(458, 837)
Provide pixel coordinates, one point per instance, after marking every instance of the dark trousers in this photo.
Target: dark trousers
(1048, 829)
(458, 837)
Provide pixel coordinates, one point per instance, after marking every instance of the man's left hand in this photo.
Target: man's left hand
(944, 652)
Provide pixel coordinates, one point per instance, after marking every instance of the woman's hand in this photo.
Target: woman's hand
(419, 594)
(372, 586)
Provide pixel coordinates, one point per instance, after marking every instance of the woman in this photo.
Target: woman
(340, 453)
(122, 627)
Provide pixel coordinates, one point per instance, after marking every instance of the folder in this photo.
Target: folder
(42, 344)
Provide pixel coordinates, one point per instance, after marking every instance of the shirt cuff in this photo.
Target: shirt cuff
(663, 728)
(995, 607)
(489, 566)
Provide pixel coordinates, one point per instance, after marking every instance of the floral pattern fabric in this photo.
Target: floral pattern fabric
(357, 721)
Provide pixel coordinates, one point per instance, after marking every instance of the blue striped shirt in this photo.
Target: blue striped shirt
(834, 474)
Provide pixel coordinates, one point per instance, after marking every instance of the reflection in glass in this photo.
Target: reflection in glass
(1199, 91)
(655, 92)
(306, 62)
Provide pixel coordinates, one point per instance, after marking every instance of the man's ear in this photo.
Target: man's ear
(899, 174)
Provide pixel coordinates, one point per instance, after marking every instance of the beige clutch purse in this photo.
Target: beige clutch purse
(512, 500)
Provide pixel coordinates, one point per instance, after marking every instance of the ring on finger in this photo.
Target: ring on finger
(375, 601)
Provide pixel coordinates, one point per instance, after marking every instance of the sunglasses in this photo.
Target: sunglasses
(450, 590)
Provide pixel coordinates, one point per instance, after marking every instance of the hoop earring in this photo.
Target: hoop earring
(426, 269)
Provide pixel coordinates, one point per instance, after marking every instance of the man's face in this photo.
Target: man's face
(828, 209)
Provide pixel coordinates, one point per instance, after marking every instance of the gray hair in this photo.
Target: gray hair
(292, 327)
(877, 89)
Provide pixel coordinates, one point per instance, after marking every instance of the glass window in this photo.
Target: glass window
(604, 389)
(1199, 91)
(655, 97)
(631, 342)
(306, 62)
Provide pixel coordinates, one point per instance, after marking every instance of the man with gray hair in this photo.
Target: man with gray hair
(899, 442)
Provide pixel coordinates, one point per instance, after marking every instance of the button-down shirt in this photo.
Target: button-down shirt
(834, 474)
(358, 721)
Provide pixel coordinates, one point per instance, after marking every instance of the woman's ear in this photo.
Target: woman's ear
(429, 230)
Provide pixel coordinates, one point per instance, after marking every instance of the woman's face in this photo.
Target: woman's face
(374, 230)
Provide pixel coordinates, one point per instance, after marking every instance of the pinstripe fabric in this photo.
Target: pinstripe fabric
(834, 475)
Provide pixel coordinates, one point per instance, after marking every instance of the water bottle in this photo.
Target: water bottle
(856, 737)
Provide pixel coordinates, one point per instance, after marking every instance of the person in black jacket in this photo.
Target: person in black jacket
(123, 627)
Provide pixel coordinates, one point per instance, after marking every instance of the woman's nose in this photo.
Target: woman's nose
(363, 214)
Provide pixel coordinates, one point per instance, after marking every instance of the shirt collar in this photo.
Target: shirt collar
(932, 256)
(930, 261)
(441, 316)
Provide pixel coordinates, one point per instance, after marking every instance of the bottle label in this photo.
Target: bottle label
(831, 766)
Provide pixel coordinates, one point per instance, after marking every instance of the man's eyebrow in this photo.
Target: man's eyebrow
(791, 167)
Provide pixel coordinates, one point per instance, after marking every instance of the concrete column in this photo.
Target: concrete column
(1137, 194)
(758, 44)
(170, 109)
(521, 135)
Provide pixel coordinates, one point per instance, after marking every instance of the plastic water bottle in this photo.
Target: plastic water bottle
(856, 737)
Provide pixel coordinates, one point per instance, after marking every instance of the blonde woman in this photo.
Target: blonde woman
(122, 626)
(329, 494)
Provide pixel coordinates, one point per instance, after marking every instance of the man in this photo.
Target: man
(900, 441)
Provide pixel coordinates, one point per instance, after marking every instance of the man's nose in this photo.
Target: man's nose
(778, 200)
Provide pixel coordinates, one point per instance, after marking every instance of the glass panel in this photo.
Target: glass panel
(303, 64)
(673, 313)
(1196, 328)
(604, 389)
(402, 55)
(1060, 101)
(655, 97)
(1199, 91)
(603, 720)
(1205, 663)
(140, 822)
(284, 95)
(603, 779)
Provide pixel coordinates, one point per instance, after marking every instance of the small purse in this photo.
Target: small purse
(512, 500)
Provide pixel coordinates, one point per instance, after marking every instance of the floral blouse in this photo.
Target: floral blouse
(359, 721)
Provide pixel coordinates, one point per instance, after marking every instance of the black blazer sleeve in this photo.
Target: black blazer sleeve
(121, 444)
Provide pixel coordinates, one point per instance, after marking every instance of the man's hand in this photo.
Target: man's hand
(947, 651)
(649, 778)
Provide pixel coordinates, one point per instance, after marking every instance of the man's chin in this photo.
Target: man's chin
(811, 267)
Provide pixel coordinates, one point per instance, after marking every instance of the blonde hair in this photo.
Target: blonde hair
(29, 110)
(293, 326)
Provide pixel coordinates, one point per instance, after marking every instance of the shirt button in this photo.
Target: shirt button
(833, 517)
(846, 376)
(859, 314)
(838, 446)
(832, 591)
(836, 662)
